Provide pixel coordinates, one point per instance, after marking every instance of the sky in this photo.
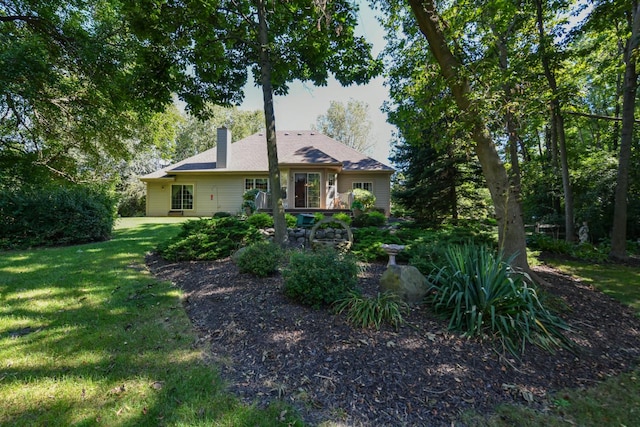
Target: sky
(300, 109)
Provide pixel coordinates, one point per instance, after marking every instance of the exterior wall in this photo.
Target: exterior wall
(211, 194)
(381, 187)
(223, 193)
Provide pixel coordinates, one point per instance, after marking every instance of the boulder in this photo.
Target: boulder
(406, 281)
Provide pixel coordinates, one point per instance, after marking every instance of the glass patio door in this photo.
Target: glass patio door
(307, 190)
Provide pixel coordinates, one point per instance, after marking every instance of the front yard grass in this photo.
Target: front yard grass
(88, 336)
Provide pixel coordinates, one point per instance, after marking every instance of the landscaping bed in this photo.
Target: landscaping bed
(269, 348)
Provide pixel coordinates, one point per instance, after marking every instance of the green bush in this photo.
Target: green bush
(370, 219)
(319, 278)
(480, 294)
(543, 242)
(291, 220)
(260, 220)
(222, 214)
(372, 312)
(344, 217)
(367, 243)
(209, 238)
(55, 216)
(261, 259)
(426, 255)
(363, 199)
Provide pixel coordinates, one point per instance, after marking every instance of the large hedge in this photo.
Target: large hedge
(55, 216)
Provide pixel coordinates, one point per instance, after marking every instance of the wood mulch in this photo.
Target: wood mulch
(268, 348)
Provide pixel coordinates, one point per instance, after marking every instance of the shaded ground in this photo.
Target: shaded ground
(270, 348)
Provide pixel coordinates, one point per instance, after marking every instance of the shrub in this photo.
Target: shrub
(367, 243)
(372, 312)
(249, 199)
(344, 217)
(480, 293)
(363, 199)
(317, 217)
(291, 220)
(55, 216)
(260, 220)
(209, 238)
(319, 278)
(222, 214)
(427, 255)
(260, 258)
(370, 219)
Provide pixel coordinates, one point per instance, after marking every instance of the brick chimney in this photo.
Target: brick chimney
(223, 148)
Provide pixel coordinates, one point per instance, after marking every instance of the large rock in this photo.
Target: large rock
(406, 281)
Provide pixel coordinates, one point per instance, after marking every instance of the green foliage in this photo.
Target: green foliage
(222, 214)
(480, 294)
(367, 243)
(260, 220)
(317, 217)
(261, 259)
(55, 216)
(363, 199)
(291, 220)
(209, 238)
(584, 251)
(370, 219)
(249, 199)
(369, 312)
(319, 278)
(350, 124)
(344, 217)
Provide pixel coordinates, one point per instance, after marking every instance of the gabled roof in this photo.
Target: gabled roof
(295, 148)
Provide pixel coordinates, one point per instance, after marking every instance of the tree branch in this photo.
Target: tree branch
(597, 116)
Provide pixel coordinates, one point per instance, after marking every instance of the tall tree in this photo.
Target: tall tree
(630, 87)
(504, 195)
(349, 124)
(557, 119)
(68, 89)
(204, 51)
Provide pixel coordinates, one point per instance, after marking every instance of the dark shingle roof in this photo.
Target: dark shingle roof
(294, 148)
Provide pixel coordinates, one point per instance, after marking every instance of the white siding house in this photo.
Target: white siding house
(316, 173)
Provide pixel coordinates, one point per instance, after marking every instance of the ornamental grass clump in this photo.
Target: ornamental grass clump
(367, 312)
(480, 293)
(319, 278)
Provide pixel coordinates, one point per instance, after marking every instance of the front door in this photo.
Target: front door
(307, 190)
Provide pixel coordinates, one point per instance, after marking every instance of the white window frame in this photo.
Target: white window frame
(250, 184)
(193, 198)
(364, 185)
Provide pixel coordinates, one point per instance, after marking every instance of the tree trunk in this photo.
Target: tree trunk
(619, 231)
(511, 232)
(279, 223)
(557, 122)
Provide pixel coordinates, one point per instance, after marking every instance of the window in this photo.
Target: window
(363, 185)
(261, 184)
(181, 197)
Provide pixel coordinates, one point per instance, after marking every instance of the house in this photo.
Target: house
(317, 173)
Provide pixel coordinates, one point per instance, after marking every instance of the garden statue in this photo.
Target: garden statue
(583, 233)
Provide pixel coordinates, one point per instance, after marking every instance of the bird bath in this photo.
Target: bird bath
(392, 250)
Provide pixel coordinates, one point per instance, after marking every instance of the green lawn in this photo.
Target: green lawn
(88, 336)
(619, 281)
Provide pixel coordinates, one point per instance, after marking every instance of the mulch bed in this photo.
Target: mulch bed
(269, 348)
